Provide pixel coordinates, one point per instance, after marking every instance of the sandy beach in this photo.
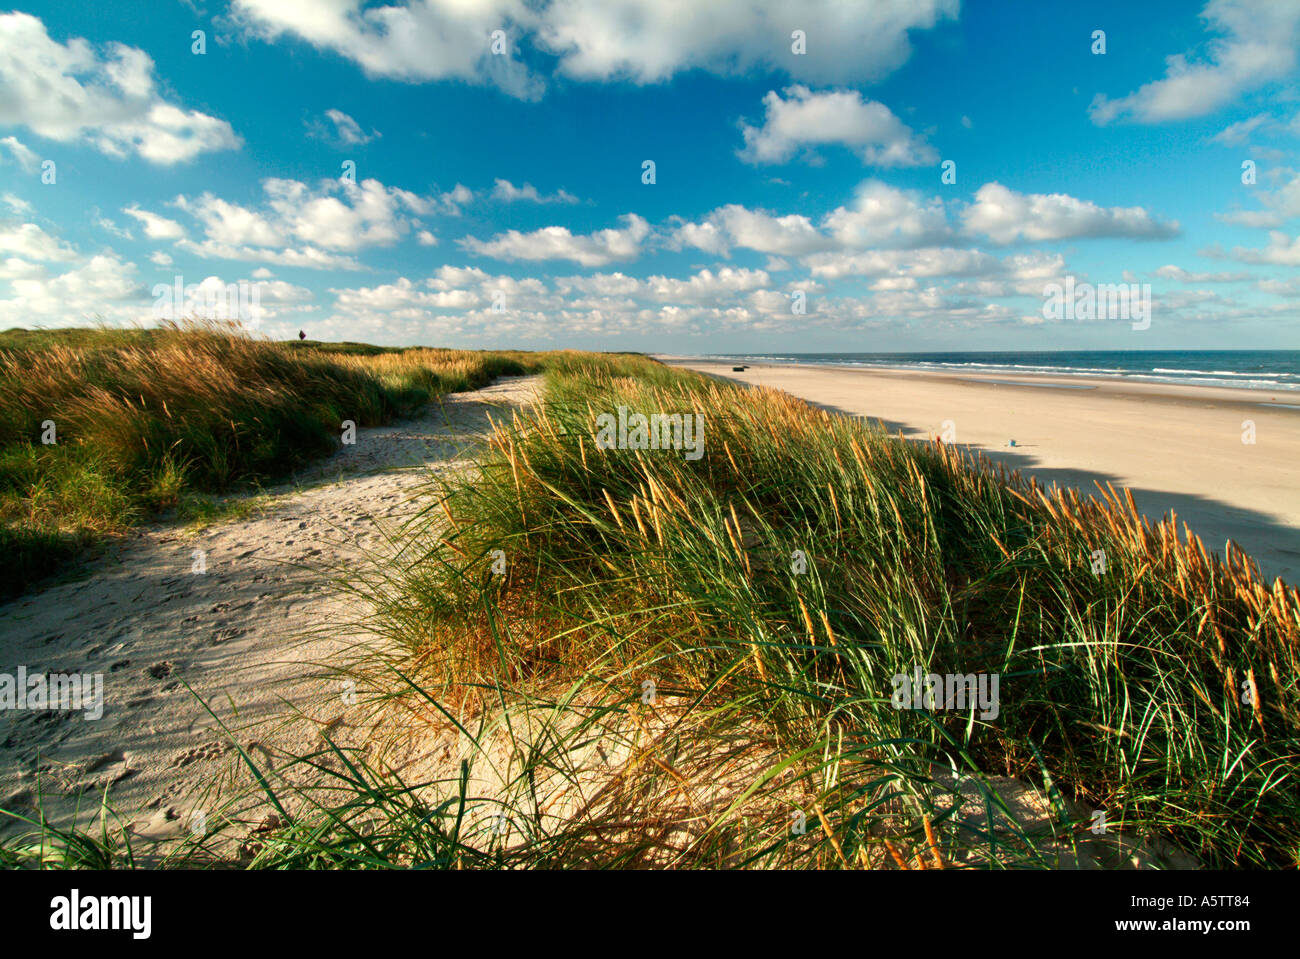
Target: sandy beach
(1177, 447)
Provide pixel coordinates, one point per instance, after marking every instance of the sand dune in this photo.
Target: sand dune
(244, 634)
(256, 635)
(1179, 448)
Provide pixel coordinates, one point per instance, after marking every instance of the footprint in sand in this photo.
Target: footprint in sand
(198, 753)
(173, 618)
(160, 670)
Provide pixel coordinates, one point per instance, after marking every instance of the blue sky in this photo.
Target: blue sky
(497, 198)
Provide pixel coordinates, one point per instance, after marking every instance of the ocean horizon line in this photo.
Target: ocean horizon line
(1237, 369)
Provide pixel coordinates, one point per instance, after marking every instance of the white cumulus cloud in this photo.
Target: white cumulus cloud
(559, 243)
(1004, 216)
(646, 41)
(70, 93)
(1257, 44)
(804, 119)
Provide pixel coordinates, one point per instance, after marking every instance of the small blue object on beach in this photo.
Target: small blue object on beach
(1013, 442)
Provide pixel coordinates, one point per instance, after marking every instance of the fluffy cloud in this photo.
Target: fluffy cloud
(304, 226)
(100, 287)
(250, 301)
(230, 223)
(558, 243)
(1282, 250)
(458, 302)
(455, 198)
(736, 226)
(646, 41)
(306, 257)
(278, 299)
(703, 287)
(29, 241)
(1021, 275)
(1005, 216)
(70, 93)
(932, 262)
(471, 302)
(882, 216)
(414, 41)
(910, 302)
(403, 294)
(843, 118)
(343, 215)
(879, 215)
(15, 268)
(900, 240)
(463, 301)
(1258, 45)
(706, 286)
(156, 227)
(845, 42)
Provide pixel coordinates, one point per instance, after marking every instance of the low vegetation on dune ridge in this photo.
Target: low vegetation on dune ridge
(150, 420)
(654, 661)
(1158, 686)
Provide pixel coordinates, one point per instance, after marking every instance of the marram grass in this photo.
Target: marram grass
(150, 420)
(1123, 691)
(653, 682)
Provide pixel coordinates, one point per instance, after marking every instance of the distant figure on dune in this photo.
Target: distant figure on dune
(302, 335)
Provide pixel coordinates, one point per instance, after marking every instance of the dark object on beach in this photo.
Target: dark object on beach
(302, 335)
(1013, 442)
(737, 369)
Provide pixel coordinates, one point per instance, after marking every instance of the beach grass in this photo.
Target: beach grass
(641, 670)
(149, 422)
(1159, 688)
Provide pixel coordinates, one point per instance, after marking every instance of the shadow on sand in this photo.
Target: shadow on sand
(1274, 546)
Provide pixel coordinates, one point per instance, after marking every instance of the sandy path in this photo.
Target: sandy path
(246, 633)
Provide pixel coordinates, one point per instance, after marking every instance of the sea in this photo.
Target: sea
(1245, 369)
